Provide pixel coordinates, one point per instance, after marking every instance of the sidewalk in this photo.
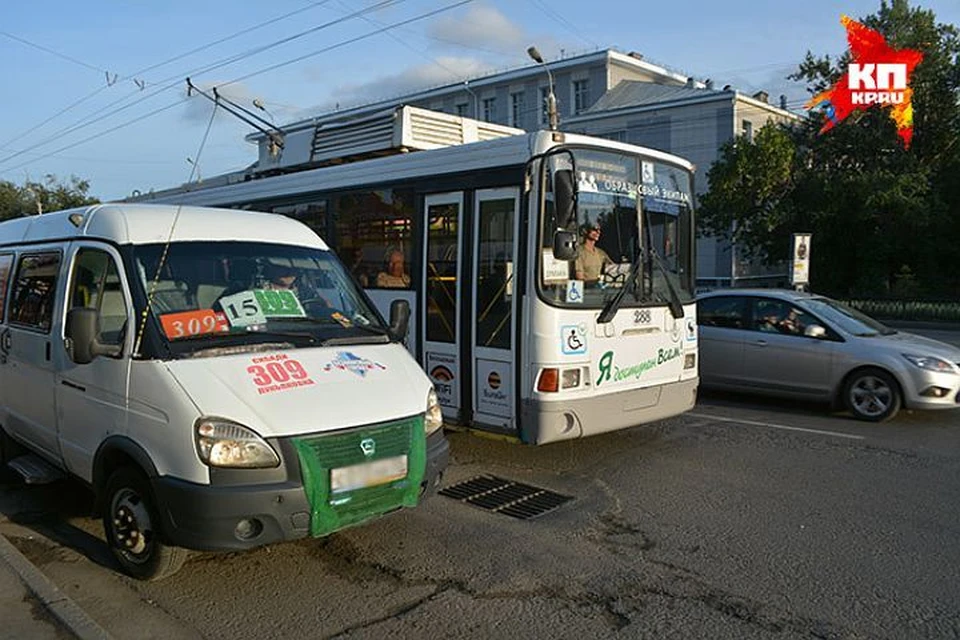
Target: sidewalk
(31, 606)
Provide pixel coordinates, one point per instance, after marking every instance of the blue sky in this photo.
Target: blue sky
(97, 89)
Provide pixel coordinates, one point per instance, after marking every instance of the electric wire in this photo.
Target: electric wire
(240, 79)
(175, 81)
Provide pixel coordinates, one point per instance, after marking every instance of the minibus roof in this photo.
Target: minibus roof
(124, 223)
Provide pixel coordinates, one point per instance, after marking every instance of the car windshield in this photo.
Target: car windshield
(627, 207)
(218, 294)
(847, 318)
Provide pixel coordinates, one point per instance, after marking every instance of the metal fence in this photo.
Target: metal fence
(918, 310)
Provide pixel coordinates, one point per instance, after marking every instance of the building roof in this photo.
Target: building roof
(632, 93)
(608, 56)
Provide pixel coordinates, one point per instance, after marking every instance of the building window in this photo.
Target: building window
(463, 109)
(747, 129)
(544, 116)
(489, 109)
(618, 136)
(516, 109)
(581, 95)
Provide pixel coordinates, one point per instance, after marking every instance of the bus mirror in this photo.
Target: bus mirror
(399, 319)
(564, 245)
(564, 197)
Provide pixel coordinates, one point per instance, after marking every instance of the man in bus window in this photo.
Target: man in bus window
(395, 277)
(591, 260)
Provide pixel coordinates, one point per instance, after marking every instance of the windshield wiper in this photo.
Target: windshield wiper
(613, 304)
(674, 304)
(378, 332)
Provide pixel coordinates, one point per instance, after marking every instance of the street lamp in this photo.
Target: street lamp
(553, 118)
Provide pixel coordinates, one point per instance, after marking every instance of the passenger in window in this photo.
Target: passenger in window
(358, 269)
(394, 277)
(790, 324)
(591, 260)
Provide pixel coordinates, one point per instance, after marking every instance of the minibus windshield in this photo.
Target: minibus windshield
(211, 294)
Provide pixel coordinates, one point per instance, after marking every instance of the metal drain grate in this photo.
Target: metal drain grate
(510, 498)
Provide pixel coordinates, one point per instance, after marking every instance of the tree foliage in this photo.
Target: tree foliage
(884, 218)
(49, 194)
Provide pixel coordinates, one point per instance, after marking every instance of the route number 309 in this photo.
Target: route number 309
(277, 372)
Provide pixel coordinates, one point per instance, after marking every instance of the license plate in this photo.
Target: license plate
(368, 474)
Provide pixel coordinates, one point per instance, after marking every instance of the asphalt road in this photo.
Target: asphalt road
(742, 519)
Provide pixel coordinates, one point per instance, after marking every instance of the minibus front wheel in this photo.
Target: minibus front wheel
(132, 527)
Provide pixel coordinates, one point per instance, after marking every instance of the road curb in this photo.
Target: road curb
(58, 603)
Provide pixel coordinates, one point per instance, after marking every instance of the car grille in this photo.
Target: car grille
(319, 455)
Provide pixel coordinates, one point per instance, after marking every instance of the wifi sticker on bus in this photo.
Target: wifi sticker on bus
(193, 323)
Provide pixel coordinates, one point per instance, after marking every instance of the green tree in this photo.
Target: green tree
(49, 194)
(876, 209)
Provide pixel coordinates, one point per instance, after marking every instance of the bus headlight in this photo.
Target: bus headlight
(433, 419)
(226, 444)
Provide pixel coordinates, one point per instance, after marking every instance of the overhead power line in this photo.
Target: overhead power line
(236, 80)
(173, 82)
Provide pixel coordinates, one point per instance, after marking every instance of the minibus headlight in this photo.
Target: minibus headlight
(227, 444)
(433, 419)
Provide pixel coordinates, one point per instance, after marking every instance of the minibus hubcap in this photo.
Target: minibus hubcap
(131, 523)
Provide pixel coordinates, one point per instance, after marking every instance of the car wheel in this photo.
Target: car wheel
(132, 528)
(872, 395)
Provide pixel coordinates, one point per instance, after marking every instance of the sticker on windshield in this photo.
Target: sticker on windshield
(342, 319)
(278, 373)
(279, 303)
(243, 309)
(575, 291)
(193, 323)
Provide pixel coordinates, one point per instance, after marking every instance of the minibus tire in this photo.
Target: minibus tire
(131, 525)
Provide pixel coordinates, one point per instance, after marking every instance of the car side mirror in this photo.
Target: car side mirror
(565, 245)
(815, 331)
(82, 333)
(399, 319)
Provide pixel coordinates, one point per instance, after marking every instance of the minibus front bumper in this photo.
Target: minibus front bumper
(247, 508)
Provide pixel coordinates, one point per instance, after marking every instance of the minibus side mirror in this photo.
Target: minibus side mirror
(564, 245)
(82, 331)
(399, 319)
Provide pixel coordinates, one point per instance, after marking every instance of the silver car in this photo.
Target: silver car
(803, 345)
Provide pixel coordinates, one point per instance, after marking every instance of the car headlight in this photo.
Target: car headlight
(930, 363)
(226, 444)
(433, 419)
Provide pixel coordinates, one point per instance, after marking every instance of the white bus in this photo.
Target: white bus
(488, 242)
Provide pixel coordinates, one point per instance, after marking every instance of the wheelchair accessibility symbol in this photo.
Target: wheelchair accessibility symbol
(575, 291)
(573, 339)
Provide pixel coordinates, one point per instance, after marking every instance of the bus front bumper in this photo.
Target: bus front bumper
(552, 421)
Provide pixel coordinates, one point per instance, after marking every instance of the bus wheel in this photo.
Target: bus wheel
(132, 528)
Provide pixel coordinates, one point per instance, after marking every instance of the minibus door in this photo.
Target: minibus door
(493, 339)
(32, 321)
(92, 397)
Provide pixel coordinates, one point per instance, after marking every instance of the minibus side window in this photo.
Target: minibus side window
(34, 291)
(96, 285)
(6, 264)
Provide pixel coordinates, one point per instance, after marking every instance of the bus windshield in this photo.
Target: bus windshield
(212, 295)
(629, 209)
